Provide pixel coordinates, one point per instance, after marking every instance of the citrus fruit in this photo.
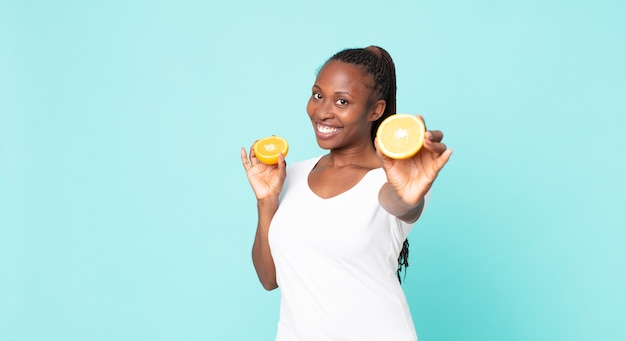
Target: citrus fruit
(267, 149)
(401, 136)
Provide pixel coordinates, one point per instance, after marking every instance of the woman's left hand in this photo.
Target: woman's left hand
(412, 178)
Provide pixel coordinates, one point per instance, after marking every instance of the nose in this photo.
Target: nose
(322, 109)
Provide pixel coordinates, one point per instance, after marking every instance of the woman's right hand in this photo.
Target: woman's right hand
(266, 180)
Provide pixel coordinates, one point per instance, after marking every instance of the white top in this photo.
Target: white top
(336, 262)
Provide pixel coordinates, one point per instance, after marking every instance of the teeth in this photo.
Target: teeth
(326, 129)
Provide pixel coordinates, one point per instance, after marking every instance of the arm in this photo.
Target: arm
(392, 203)
(267, 182)
(261, 253)
(409, 180)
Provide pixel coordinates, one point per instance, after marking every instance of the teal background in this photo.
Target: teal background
(125, 213)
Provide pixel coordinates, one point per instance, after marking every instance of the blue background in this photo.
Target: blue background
(125, 213)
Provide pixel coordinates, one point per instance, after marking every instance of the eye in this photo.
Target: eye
(341, 101)
(317, 95)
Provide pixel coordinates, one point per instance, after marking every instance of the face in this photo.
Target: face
(343, 106)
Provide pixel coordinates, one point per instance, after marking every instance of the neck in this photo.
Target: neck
(364, 156)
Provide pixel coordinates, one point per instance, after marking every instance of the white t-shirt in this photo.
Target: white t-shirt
(336, 262)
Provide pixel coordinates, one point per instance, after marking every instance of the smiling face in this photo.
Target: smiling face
(343, 106)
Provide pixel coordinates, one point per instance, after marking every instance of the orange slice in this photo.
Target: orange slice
(401, 136)
(267, 149)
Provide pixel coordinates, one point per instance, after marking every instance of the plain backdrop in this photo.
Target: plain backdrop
(125, 213)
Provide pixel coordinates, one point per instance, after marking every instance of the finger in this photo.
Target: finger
(253, 158)
(385, 161)
(282, 164)
(436, 148)
(244, 159)
(433, 135)
(381, 156)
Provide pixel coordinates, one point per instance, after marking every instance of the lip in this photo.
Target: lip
(324, 131)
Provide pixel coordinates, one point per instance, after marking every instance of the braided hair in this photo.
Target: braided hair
(378, 63)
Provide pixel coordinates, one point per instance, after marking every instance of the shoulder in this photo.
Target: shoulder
(299, 170)
(302, 166)
(297, 173)
(375, 177)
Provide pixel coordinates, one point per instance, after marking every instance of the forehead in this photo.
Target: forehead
(336, 73)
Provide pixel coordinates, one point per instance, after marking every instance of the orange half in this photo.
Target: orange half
(267, 149)
(401, 136)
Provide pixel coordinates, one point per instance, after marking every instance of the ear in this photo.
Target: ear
(379, 109)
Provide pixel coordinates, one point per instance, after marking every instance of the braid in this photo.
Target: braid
(378, 63)
(403, 259)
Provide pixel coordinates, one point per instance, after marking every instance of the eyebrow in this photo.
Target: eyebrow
(336, 92)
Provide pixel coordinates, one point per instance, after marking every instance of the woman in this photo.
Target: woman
(331, 230)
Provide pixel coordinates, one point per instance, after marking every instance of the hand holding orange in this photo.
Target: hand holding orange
(269, 148)
(401, 136)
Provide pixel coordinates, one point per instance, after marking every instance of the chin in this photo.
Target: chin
(324, 144)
